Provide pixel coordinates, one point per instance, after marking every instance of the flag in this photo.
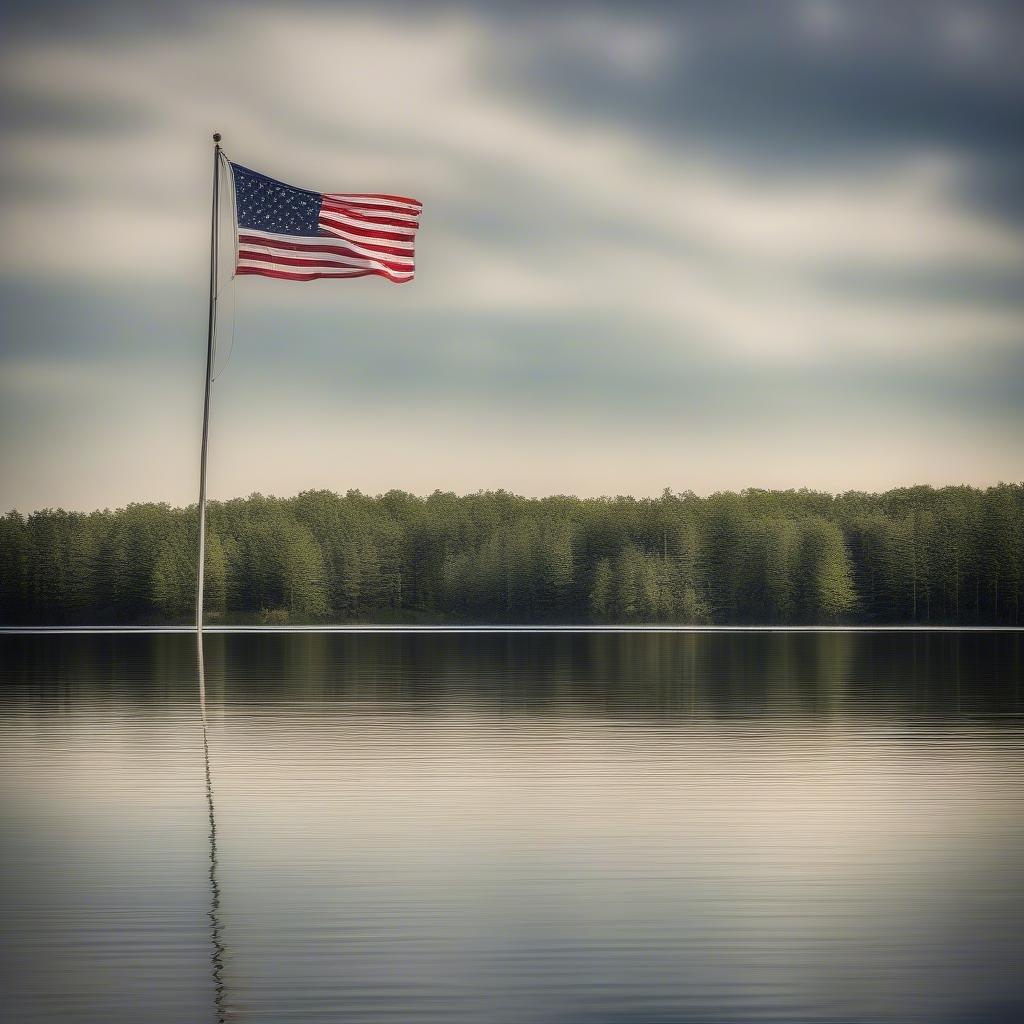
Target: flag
(299, 235)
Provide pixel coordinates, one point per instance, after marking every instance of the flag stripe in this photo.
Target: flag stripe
(374, 211)
(324, 251)
(341, 235)
(320, 258)
(331, 236)
(326, 240)
(373, 214)
(324, 243)
(364, 237)
(368, 227)
(294, 275)
(375, 199)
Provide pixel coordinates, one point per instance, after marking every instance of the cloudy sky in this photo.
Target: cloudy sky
(692, 245)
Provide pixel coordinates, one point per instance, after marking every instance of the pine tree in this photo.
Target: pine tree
(825, 590)
(14, 562)
(302, 570)
(215, 583)
(600, 597)
(174, 579)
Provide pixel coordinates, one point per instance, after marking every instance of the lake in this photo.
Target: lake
(617, 829)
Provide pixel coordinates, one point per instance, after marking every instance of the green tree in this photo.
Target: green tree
(600, 598)
(15, 604)
(302, 574)
(824, 591)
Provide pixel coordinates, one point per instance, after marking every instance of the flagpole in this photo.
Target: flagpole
(210, 335)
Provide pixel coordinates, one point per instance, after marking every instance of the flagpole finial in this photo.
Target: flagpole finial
(216, 136)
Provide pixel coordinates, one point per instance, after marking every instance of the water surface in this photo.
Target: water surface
(636, 829)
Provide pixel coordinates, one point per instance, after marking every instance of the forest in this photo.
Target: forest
(950, 555)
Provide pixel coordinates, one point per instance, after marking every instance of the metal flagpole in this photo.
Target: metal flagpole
(211, 334)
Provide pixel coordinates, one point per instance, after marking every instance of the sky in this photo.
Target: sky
(700, 246)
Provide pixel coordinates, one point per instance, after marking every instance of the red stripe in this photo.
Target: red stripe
(294, 261)
(285, 276)
(327, 243)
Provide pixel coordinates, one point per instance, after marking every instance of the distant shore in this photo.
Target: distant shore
(486, 630)
(914, 556)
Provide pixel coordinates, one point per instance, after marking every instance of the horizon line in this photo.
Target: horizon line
(369, 629)
(486, 491)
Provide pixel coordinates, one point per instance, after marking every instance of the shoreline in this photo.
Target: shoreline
(370, 629)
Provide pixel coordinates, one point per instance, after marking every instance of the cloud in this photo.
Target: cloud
(412, 105)
(629, 48)
(624, 214)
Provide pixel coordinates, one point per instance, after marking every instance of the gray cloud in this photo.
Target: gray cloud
(694, 224)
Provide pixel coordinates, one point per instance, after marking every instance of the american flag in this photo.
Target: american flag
(298, 235)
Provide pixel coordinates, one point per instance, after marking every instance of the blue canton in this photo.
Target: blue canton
(268, 205)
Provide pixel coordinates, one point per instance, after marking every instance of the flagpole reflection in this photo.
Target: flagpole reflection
(218, 949)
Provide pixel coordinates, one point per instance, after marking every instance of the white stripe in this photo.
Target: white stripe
(272, 236)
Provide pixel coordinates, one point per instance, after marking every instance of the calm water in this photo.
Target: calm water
(629, 829)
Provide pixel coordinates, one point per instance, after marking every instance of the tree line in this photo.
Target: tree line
(952, 555)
